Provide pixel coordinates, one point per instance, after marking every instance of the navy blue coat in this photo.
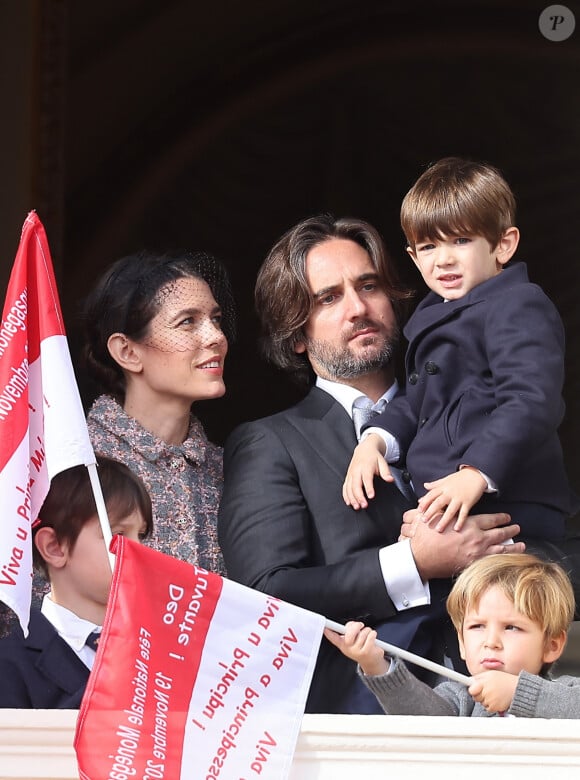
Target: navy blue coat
(41, 671)
(484, 388)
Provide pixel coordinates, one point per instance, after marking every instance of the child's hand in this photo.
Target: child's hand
(456, 494)
(358, 644)
(367, 461)
(494, 689)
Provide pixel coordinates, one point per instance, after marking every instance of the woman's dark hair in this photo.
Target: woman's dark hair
(126, 299)
(70, 502)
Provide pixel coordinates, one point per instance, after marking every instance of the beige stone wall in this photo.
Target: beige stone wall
(37, 745)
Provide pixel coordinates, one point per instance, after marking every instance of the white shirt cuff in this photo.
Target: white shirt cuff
(393, 451)
(404, 585)
(491, 486)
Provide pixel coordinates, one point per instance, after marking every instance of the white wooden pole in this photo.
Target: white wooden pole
(101, 511)
(411, 657)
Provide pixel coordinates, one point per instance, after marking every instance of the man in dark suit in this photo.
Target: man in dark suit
(328, 298)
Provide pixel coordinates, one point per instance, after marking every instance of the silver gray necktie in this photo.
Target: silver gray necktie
(363, 412)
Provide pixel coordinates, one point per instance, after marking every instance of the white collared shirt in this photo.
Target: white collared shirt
(346, 395)
(404, 585)
(70, 627)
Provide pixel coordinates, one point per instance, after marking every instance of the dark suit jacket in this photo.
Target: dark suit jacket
(484, 388)
(284, 528)
(41, 671)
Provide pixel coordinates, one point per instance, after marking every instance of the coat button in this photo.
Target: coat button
(413, 378)
(431, 367)
(406, 477)
(423, 421)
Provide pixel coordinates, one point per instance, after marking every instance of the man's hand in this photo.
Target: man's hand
(445, 554)
(454, 495)
(368, 460)
(494, 689)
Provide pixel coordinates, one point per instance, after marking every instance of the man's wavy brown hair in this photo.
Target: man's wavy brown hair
(283, 297)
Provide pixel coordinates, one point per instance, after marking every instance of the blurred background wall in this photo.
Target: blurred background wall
(164, 123)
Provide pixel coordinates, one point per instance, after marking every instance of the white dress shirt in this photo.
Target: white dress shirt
(70, 627)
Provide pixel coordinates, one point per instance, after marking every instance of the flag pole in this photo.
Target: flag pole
(101, 511)
(411, 657)
(43, 429)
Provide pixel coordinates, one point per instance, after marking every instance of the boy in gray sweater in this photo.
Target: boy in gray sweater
(512, 614)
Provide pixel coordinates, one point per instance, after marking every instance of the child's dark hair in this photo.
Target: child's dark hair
(456, 197)
(70, 503)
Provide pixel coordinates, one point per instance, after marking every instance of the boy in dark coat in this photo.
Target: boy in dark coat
(50, 667)
(484, 366)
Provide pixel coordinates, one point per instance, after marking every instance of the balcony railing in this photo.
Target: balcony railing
(37, 745)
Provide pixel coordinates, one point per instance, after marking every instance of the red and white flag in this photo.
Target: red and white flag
(195, 677)
(42, 422)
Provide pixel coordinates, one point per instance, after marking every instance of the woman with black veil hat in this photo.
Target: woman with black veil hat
(157, 330)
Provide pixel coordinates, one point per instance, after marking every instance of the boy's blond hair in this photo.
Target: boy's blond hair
(457, 197)
(540, 590)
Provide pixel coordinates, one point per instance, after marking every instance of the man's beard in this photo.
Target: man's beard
(339, 362)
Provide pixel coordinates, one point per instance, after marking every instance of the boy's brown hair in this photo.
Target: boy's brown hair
(70, 503)
(458, 197)
(540, 590)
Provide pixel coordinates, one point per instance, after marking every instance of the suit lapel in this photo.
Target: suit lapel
(432, 310)
(57, 661)
(327, 427)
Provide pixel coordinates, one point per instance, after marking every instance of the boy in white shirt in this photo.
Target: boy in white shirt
(50, 668)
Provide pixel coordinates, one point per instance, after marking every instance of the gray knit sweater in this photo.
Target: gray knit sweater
(400, 693)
